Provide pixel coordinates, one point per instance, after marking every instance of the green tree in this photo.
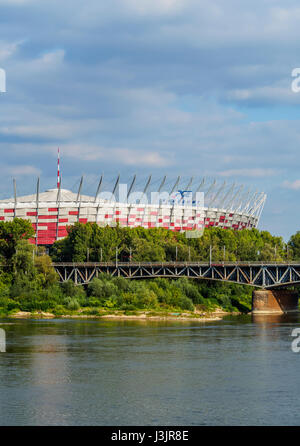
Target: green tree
(294, 246)
(23, 259)
(11, 233)
(43, 265)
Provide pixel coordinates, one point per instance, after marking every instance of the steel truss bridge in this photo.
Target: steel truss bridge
(262, 275)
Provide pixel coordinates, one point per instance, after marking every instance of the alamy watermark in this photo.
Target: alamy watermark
(295, 346)
(295, 86)
(183, 198)
(190, 203)
(2, 81)
(2, 341)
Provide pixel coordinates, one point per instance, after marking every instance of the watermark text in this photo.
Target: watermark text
(2, 341)
(2, 81)
(296, 342)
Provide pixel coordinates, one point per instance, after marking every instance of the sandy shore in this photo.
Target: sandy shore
(161, 318)
(28, 314)
(139, 317)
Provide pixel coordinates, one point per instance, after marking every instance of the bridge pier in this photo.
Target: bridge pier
(278, 301)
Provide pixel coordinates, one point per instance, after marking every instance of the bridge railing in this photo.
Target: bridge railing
(166, 264)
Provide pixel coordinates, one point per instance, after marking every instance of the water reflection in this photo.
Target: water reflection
(235, 371)
(275, 318)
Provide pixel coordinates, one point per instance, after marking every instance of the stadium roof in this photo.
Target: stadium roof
(51, 195)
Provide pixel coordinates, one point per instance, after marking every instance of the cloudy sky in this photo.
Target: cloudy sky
(188, 87)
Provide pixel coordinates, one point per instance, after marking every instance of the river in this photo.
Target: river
(238, 371)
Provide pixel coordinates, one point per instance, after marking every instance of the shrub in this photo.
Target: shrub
(185, 303)
(93, 302)
(102, 288)
(59, 310)
(73, 305)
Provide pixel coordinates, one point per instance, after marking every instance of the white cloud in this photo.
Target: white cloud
(53, 57)
(8, 49)
(294, 185)
(269, 94)
(15, 2)
(49, 60)
(126, 157)
(253, 173)
(20, 170)
(60, 130)
(142, 158)
(154, 6)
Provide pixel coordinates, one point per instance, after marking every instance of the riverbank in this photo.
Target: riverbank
(141, 316)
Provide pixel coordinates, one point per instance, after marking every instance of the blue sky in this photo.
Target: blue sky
(187, 87)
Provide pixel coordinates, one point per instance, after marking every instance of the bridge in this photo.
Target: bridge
(271, 277)
(257, 274)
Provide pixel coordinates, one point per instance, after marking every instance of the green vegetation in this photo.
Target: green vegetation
(94, 243)
(28, 281)
(107, 295)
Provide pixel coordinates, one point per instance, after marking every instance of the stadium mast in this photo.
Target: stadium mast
(58, 172)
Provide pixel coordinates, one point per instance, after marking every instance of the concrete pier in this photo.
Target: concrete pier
(278, 301)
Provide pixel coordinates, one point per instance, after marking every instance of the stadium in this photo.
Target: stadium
(186, 207)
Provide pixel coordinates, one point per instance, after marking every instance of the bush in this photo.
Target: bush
(59, 310)
(186, 304)
(92, 302)
(73, 305)
(91, 312)
(23, 285)
(8, 304)
(102, 288)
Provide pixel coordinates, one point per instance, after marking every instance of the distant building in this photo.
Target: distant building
(52, 211)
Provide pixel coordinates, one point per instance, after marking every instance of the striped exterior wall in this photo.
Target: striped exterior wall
(50, 222)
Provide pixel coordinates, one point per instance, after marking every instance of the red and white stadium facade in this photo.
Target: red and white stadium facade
(51, 212)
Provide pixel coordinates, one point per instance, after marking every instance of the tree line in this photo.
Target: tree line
(90, 242)
(28, 281)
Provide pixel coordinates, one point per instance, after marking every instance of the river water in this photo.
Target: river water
(239, 371)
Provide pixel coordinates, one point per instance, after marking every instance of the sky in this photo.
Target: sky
(177, 87)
